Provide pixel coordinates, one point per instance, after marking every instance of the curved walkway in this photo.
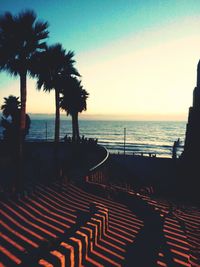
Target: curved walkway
(145, 249)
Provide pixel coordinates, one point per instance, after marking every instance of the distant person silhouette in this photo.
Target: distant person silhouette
(174, 149)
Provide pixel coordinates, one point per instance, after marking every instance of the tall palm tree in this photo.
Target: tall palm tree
(51, 69)
(73, 101)
(21, 36)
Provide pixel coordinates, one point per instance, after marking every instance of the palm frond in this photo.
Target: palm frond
(20, 37)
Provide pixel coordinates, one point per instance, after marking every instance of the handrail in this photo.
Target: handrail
(102, 162)
(98, 174)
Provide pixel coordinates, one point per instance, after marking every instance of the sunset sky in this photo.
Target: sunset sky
(137, 58)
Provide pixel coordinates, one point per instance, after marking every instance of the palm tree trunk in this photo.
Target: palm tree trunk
(57, 119)
(57, 133)
(23, 102)
(75, 126)
(18, 150)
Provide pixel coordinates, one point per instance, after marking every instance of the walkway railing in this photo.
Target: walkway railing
(99, 172)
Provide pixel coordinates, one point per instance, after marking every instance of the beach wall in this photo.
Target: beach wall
(162, 173)
(40, 164)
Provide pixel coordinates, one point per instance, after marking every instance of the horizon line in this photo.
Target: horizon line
(133, 117)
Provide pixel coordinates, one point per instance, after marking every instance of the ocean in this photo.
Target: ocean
(155, 137)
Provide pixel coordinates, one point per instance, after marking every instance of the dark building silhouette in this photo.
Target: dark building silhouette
(189, 178)
(192, 140)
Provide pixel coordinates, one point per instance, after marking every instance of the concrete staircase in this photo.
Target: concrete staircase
(58, 225)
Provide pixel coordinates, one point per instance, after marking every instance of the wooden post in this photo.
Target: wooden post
(46, 130)
(124, 141)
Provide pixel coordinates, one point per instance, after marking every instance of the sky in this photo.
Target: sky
(137, 58)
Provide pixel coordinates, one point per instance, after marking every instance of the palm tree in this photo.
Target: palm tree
(73, 101)
(11, 107)
(52, 67)
(21, 36)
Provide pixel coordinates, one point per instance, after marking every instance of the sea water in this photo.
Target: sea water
(138, 137)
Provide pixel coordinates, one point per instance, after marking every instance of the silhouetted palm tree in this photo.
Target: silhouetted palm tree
(21, 36)
(73, 101)
(53, 67)
(12, 107)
